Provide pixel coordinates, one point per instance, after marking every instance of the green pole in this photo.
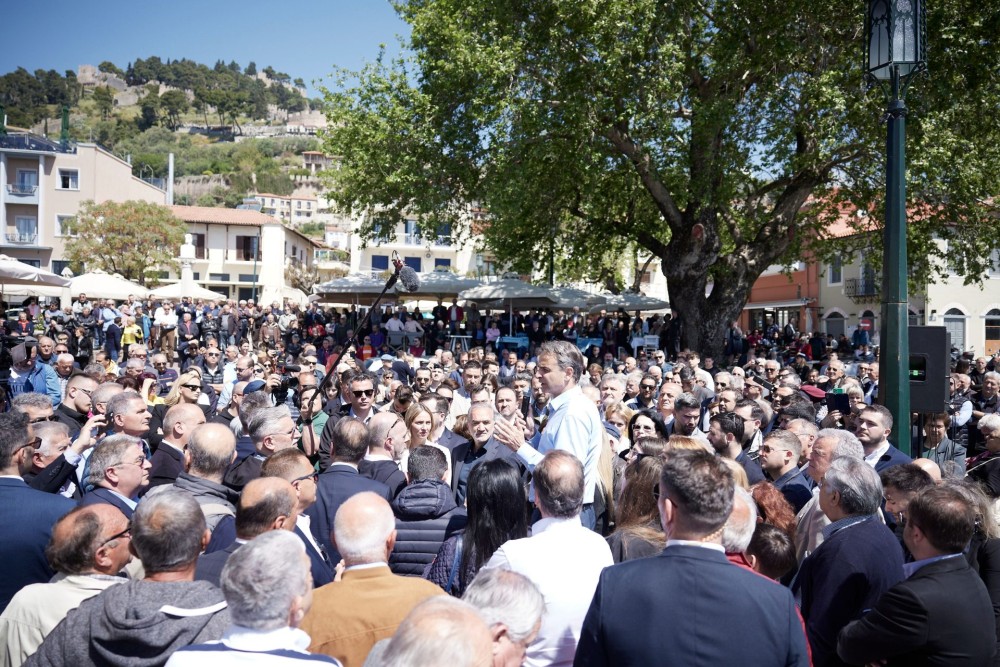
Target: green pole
(894, 356)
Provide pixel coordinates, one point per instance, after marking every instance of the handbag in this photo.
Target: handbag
(456, 564)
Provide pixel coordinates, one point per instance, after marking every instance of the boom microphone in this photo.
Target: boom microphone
(409, 278)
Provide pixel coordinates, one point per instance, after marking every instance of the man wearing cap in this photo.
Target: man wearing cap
(386, 368)
(27, 374)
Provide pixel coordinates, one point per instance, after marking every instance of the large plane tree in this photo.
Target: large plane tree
(719, 135)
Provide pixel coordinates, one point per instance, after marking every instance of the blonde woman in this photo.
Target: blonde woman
(186, 389)
(421, 422)
(619, 416)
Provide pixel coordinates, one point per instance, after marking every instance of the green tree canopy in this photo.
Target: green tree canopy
(133, 238)
(696, 130)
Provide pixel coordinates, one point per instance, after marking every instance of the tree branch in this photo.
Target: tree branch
(643, 166)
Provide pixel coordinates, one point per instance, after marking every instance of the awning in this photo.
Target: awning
(771, 305)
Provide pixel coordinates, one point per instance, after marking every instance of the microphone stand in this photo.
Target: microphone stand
(353, 341)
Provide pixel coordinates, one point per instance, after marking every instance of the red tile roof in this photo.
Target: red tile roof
(223, 216)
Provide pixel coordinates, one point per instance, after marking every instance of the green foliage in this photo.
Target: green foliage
(104, 100)
(696, 131)
(109, 67)
(27, 98)
(134, 238)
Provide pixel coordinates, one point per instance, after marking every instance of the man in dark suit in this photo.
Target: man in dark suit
(858, 561)
(873, 427)
(167, 461)
(76, 402)
(27, 515)
(271, 430)
(265, 504)
(118, 471)
(440, 407)
(941, 613)
(760, 621)
(482, 447)
(387, 439)
(341, 481)
(294, 467)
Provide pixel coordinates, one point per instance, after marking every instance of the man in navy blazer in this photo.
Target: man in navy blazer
(873, 427)
(858, 561)
(168, 460)
(941, 613)
(27, 515)
(341, 481)
(118, 471)
(483, 447)
(689, 605)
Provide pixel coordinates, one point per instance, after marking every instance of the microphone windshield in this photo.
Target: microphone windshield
(408, 277)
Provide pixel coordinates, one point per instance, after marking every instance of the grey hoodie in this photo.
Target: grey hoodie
(136, 624)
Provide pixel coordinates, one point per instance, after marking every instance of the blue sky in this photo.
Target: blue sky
(304, 38)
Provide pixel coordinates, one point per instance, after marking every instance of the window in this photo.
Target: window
(31, 262)
(835, 272)
(59, 265)
(380, 262)
(835, 324)
(247, 278)
(413, 262)
(247, 248)
(198, 240)
(26, 230)
(66, 225)
(442, 262)
(27, 182)
(218, 277)
(412, 232)
(992, 331)
(994, 270)
(954, 322)
(69, 179)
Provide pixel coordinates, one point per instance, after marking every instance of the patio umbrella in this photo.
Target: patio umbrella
(178, 290)
(106, 285)
(14, 272)
(568, 297)
(356, 288)
(514, 292)
(629, 301)
(440, 284)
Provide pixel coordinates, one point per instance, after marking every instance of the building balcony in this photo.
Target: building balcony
(18, 193)
(864, 290)
(19, 238)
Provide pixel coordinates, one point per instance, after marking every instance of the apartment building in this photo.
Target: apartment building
(43, 184)
(294, 210)
(242, 252)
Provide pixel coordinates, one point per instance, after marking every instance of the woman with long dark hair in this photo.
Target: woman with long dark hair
(497, 506)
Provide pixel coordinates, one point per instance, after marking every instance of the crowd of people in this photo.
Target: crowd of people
(235, 484)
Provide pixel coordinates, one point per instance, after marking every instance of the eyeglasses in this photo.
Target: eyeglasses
(31, 443)
(192, 387)
(141, 461)
(358, 393)
(650, 387)
(213, 354)
(38, 420)
(314, 476)
(159, 363)
(125, 533)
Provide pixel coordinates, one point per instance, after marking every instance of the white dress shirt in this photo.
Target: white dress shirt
(565, 561)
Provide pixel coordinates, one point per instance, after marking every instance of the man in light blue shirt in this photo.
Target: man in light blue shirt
(573, 423)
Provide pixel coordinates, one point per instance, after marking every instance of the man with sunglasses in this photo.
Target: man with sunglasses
(360, 396)
(647, 394)
(26, 514)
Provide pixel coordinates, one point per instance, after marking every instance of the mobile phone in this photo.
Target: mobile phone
(838, 402)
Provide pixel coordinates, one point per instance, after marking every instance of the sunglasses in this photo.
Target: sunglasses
(650, 387)
(314, 476)
(358, 393)
(192, 387)
(38, 420)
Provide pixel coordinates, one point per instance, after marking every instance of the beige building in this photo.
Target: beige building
(295, 210)
(241, 252)
(43, 185)
(850, 296)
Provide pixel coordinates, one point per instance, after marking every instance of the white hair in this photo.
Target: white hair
(508, 597)
(848, 444)
(438, 631)
(262, 579)
(365, 543)
(738, 531)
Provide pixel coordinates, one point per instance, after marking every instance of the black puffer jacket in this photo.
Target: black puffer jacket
(426, 515)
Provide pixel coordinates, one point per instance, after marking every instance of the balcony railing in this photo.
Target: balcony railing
(863, 290)
(22, 238)
(22, 189)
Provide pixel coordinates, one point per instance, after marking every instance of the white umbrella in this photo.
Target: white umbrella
(630, 301)
(439, 283)
(355, 288)
(106, 285)
(14, 272)
(568, 297)
(178, 290)
(514, 292)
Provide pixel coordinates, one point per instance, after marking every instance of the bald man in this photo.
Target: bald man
(267, 503)
(168, 460)
(929, 467)
(89, 547)
(441, 631)
(369, 603)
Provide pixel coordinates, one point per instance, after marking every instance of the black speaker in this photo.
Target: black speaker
(930, 354)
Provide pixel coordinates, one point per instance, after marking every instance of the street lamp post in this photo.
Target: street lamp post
(895, 52)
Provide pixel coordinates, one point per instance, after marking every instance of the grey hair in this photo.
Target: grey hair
(992, 375)
(135, 362)
(252, 403)
(989, 423)
(793, 381)
(508, 597)
(30, 399)
(567, 356)
(167, 531)
(108, 454)
(848, 444)
(265, 422)
(48, 431)
(364, 544)
(436, 632)
(736, 535)
(615, 379)
(262, 579)
(724, 375)
(105, 392)
(857, 483)
(137, 347)
(634, 376)
(120, 402)
(65, 356)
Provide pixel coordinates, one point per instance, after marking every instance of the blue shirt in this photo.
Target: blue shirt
(574, 426)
